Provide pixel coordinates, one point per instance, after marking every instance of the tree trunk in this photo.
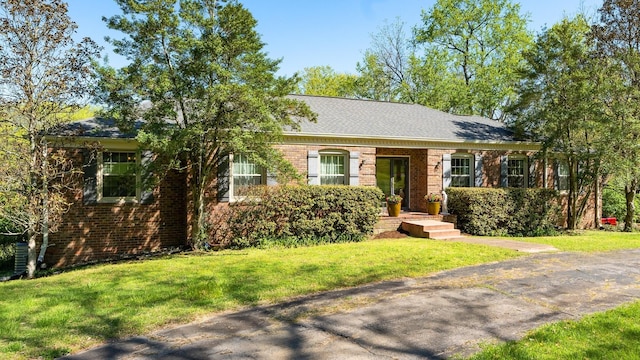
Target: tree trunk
(198, 220)
(572, 197)
(196, 208)
(45, 204)
(32, 258)
(32, 205)
(630, 194)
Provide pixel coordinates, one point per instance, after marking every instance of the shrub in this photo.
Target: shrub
(614, 203)
(505, 211)
(301, 215)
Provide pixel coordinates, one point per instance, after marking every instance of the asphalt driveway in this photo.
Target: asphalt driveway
(436, 317)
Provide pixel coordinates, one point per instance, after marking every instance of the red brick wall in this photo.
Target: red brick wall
(90, 232)
(297, 156)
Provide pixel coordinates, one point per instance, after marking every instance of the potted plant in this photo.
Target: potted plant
(433, 203)
(394, 203)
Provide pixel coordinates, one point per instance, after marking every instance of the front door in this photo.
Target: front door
(392, 177)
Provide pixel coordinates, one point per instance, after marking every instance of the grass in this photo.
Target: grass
(53, 316)
(614, 334)
(590, 241)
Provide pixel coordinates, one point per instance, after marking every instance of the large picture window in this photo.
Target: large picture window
(332, 169)
(119, 177)
(461, 171)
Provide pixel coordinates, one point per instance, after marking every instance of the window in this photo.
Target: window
(119, 178)
(246, 174)
(516, 172)
(332, 169)
(461, 171)
(562, 176)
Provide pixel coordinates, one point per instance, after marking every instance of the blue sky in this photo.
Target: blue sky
(305, 33)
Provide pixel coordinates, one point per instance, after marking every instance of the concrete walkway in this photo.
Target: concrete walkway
(434, 317)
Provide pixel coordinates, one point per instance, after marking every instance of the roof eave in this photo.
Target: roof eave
(85, 141)
(407, 143)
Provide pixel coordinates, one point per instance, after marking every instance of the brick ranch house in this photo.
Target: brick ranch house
(406, 149)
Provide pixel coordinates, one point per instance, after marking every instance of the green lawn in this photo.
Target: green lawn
(590, 241)
(614, 334)
(50, 317)
(53, 316)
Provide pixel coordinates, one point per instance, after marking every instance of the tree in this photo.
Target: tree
(384, 69)
(559, 105)
(478, 44)
(209, 87)
(323, 80)
(44, 76)
(618, 42)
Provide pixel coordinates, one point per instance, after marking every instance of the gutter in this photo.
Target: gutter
(404, 142)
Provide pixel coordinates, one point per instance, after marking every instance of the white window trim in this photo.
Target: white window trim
(232, 196)
(558, 177)
(525, 170)
(345, 156)
(100, 179)
(472, 165)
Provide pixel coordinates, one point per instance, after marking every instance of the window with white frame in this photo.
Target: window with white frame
(517, 172)
(118, 178)
(246, 174)
(461, 171)
(333, 169)
(562, 175)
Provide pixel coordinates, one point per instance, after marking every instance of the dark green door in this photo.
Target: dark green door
(392, 177)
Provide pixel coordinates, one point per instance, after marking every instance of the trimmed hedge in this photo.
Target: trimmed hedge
(505, 211)
(300, 215)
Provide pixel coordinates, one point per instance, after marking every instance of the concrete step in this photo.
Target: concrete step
(443, 234)
(431, 229)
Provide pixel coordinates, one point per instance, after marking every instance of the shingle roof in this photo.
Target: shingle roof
(96, 127)
(358, 118)
(351, 118)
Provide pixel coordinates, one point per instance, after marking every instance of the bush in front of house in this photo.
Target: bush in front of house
(505, 211)
(301, 215)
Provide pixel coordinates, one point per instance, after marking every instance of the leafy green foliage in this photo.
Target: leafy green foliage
(204, 86)
(384, 71)
(617, 37)
(45, 77)
(301, 215)
(614, 203)
(324, 81)
(504, 212)
(472, 50)
(559, 104)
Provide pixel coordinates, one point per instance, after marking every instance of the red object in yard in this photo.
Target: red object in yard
(609, 221)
